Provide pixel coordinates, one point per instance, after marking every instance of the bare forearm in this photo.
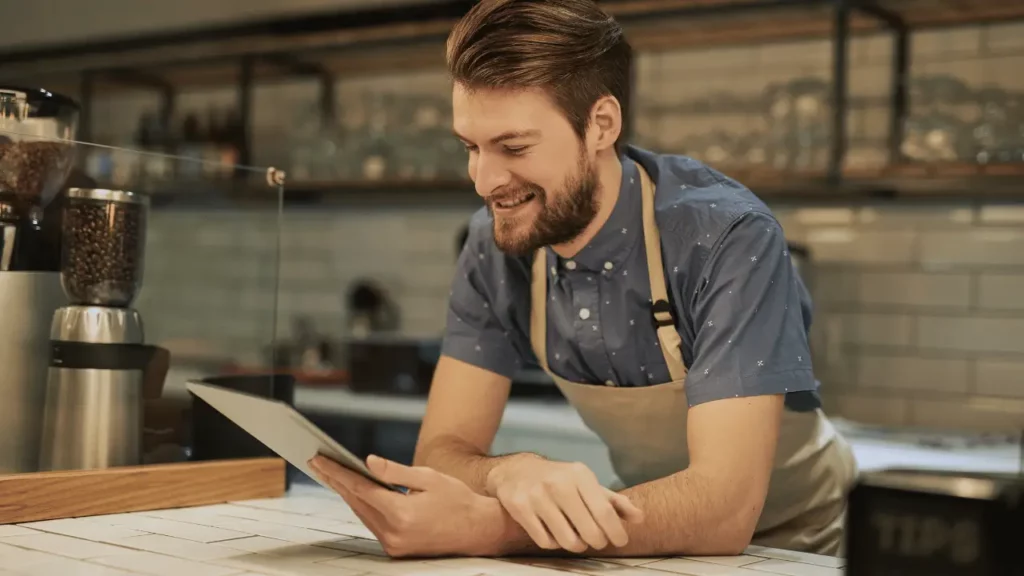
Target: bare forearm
(683, 514)
(455, 457)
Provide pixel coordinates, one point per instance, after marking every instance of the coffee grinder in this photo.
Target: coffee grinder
(100, 368)
(37, 145)
(37, 132)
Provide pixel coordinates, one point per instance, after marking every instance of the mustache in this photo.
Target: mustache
(515, 191)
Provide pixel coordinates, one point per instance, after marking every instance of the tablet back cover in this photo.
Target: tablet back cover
(281, 428)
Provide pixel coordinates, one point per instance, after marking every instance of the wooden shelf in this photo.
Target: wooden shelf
(213, 59)
(905, 182)
(760, 26)
(399, 48)
(245, 193)
(939, 13)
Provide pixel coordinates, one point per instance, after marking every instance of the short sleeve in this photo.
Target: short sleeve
(750, 336)
(473, 331)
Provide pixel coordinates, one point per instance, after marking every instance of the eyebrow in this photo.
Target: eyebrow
(510, 135)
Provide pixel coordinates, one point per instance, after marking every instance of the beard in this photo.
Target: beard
(562, 218)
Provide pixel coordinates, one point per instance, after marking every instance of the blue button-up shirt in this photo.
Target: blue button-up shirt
(741, 309)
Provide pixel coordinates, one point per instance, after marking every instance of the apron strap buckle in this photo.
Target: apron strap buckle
(661, 314)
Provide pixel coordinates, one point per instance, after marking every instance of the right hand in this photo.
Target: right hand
(439, 516)
(562, 504)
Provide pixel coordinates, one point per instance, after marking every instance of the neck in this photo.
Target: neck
(609, 182)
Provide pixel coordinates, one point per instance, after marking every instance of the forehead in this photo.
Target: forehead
(482, 113)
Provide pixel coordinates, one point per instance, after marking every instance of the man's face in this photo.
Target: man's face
(538, 180)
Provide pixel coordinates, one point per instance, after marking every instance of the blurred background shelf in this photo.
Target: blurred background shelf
(342, 41)
(327, 50)
(946, 182)
(232, 194)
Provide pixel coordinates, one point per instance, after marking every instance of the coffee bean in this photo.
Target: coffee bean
(28, 169)
(103, 254)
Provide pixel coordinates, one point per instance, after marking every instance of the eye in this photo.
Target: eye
(469, 147)
(516, 150)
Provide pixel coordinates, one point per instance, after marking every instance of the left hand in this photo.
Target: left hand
(440, 515)
(562, 504)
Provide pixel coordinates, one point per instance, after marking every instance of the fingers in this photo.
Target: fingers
(370, 517)
(335, 474)
(521, 511)
(569, 499)
(366, 513)
(564, 505)
(625, 507)
(550, 513)
(598, 501)
(324, 466)
(414, 478)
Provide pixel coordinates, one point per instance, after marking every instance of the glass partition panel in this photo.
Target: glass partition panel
(179, 253)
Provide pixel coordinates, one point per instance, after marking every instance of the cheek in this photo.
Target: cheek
(549, 174)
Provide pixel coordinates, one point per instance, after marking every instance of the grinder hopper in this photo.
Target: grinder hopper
(37, 135)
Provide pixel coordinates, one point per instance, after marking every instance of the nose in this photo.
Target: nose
(489, 173)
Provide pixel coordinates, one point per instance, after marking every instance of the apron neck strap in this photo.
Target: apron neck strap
(539, 309)
(661, 308)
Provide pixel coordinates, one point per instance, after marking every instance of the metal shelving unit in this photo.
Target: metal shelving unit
(330, 46)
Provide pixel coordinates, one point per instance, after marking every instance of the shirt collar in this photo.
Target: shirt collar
(615, 240)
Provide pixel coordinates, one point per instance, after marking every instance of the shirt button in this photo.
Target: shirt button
(609, 383)
(570, 265)
(608, 266)
(584, 313)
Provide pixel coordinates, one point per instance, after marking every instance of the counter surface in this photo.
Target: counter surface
(309, 532)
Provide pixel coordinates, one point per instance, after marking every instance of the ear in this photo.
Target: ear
(605, 123)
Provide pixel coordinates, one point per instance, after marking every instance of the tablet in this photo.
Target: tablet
(282, 429)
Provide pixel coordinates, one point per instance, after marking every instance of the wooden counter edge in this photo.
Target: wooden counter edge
(67, 494)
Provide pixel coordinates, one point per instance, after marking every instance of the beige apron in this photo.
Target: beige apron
(644, 428)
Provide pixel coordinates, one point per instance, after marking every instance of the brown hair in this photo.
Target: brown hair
(570, 48)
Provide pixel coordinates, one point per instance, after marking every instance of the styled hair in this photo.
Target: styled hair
(569, 48)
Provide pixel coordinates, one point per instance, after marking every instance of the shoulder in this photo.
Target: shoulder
(698, 204)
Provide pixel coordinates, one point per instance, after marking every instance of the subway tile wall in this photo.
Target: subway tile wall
(919, 309)
(918, 317)
(211, 284)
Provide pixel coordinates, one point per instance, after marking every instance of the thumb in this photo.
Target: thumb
(625, 507)
(413, 478)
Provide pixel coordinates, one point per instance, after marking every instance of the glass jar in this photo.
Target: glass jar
(103, 246)
(37, 131)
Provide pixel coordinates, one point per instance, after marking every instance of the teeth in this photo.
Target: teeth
(512, 203)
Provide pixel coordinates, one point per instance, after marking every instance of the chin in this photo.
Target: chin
(515, 245)
(517, 241)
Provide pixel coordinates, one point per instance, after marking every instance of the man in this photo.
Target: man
(657, 292)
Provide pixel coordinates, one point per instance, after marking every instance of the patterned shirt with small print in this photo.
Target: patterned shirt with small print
(742, 311)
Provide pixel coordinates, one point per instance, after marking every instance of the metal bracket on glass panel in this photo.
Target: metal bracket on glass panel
(900, 71)
(888, 17)
(840, 70)
(275, 177)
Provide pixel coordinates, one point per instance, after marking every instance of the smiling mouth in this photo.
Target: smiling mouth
(514, 201)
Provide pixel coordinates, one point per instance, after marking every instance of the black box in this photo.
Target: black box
(923, 523)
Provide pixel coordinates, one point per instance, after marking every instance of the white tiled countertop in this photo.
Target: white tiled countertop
(309, 532)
